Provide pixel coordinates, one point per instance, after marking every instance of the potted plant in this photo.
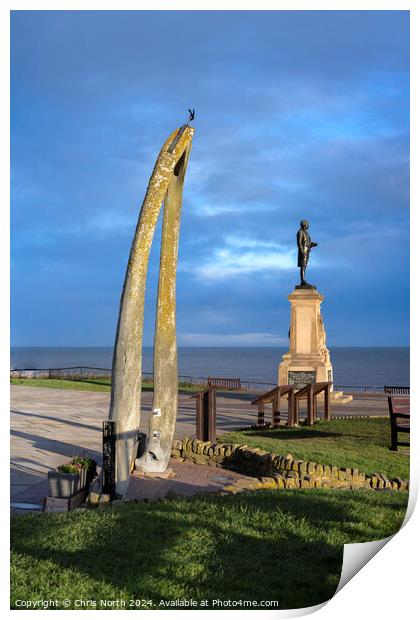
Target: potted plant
(65, 481)
(70, 478)
(87, 469)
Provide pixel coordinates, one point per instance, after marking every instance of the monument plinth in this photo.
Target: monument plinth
(308, 359)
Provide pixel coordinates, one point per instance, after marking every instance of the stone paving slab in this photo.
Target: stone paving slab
(190, 479)
(49, 426)
(34, 494)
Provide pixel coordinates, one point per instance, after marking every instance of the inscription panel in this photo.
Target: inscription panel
(300, 378)
(303, 330)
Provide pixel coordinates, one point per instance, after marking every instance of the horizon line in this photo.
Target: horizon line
(214, 346)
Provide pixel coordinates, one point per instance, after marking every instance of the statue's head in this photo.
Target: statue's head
(304, 224)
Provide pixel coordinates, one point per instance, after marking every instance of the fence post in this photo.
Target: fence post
(260, 414)
(291, 408)
(206, 415)
(205, 424)
(199, 419)
(212, 415)
(276, 410)
(327, 403)
(310, 406)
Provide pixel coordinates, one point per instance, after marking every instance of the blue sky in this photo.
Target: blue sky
(298, 115)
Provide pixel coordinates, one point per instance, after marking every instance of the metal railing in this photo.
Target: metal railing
(71, 373)
(75, 373)
(396, 389)
(360, 388)
(80, 373)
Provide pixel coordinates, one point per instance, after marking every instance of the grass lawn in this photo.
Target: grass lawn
(362, 443)
(268, 545)
(92, 385)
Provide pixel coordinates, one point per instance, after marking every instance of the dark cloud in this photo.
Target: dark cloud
(299, 114)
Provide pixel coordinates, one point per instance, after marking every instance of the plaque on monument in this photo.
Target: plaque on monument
(300, 378)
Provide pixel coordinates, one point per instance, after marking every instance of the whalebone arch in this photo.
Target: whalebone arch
(165, 186)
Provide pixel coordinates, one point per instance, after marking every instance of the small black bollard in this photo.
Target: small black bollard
(108, 460)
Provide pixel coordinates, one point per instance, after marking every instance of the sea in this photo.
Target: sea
(353, 366)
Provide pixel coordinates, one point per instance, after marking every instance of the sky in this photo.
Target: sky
(299, 115)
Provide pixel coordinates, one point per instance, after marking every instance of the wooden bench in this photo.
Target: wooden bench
(274, 397)
(399, 409)
(224, 383)
(396, 389)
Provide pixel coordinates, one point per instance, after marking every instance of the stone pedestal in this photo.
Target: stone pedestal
(308, 359)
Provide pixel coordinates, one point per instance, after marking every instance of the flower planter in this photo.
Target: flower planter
(64, 485)
(82, 479)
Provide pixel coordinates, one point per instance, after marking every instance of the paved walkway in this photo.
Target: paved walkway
(49, 426)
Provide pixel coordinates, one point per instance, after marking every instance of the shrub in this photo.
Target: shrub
(83, 462)
(68, 468)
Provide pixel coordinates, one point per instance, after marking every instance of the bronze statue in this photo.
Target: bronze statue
(305, 245)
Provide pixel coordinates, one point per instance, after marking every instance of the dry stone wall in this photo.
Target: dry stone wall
(278, 471)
